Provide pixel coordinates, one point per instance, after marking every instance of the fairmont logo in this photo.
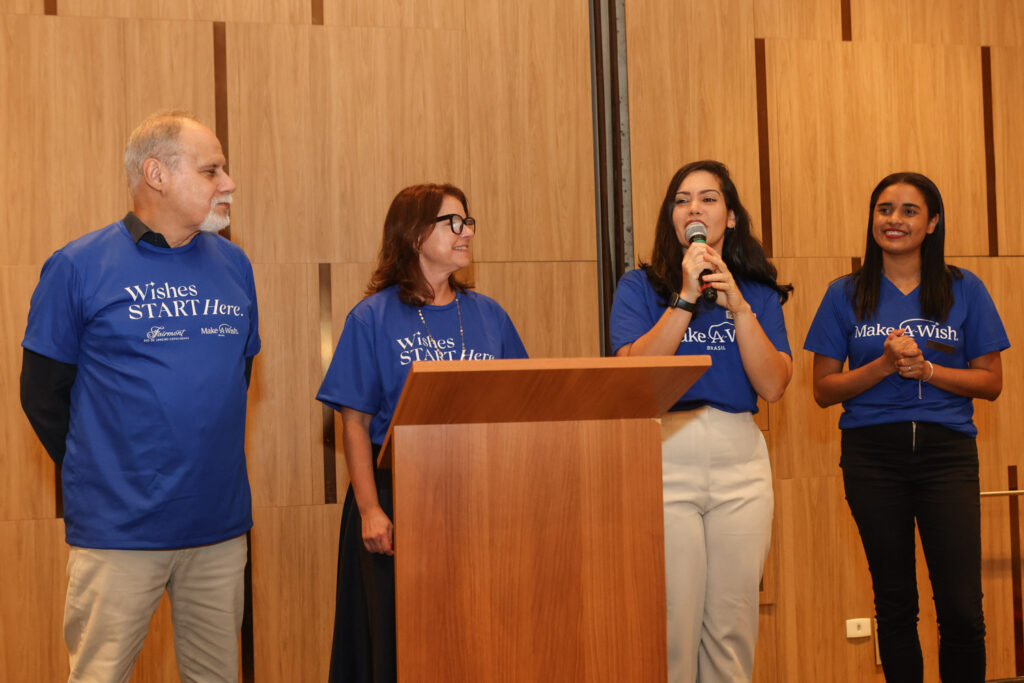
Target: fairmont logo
(220, 331)
(159, 334)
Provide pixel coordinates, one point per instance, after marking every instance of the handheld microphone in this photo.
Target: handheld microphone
(698, 232)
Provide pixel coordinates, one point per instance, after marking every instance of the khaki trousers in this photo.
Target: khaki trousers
(112, 595)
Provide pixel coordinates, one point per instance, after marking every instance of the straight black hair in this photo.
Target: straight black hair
(936, 291)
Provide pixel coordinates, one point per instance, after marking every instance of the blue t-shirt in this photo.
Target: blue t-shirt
(637, 308)
(383, 336)
(155, 453)
(972, 329)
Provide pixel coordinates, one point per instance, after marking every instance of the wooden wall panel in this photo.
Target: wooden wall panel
(29, 222)
(939, 22)
(999, 424)
(398, 108)
(267, 11)
(152, 82)
(27, 489)
(690, 99)
(65, 132)
(1008, 133)
(278, 156)
(320, 151)
(551, 304)
(996, 573)
(442, 14)
(32, 601)
(823, 580)
(348, 286)
(531, 132)
(22, 7)
(1002, 22)
(284, 439)
(295, 556)
(157, 662)
(765, 655)
(87, 154)
(805, 437)
(348, 283)
(811, 19)
(842, 116)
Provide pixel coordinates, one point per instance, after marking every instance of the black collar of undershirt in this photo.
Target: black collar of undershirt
(141, 232)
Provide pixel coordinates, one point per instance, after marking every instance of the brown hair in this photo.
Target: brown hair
(411, 217)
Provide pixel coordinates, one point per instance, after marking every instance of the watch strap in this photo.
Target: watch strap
(679, 302)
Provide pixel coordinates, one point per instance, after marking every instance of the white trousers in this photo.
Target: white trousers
(112, 595)
(718, 520)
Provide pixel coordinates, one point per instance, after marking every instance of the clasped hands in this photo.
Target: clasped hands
(905, 357)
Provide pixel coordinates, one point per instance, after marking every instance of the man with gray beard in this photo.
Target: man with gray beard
(137, 357)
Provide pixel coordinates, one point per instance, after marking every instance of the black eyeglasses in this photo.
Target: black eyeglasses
(457, 222)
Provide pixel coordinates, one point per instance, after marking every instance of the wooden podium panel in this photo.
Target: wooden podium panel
(541, 390)
(511, 576)
(528, 518)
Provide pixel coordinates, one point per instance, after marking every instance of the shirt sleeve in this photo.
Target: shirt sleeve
(828, 335)
(984, 327)
(55, 318)
(630, 316)
(46, 399)
(511, 344)
(773, 321)
(353, 378)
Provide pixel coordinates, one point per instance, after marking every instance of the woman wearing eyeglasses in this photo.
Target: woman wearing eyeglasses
(414, 310)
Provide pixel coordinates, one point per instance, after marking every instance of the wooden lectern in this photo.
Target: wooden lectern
(528, 519)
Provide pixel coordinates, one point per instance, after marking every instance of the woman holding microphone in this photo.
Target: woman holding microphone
(718, 501)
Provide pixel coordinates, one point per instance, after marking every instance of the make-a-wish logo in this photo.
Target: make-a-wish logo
(221, 330)
(161, 334)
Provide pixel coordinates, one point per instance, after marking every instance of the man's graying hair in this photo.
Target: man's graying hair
(157, 138)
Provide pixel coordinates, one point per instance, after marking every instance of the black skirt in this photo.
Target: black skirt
(364, 617)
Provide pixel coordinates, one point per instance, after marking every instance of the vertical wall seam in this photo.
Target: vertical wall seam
(220, 96)
(599, 111)
(58, 493)
(220, 105)
(248, 653)
(612, 175)
(764, 155)
(1015, 571)
(990, 151)
(326, 412)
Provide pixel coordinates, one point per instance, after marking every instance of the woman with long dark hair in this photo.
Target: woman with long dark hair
(718, 500)
(922, 339)
(415, 310)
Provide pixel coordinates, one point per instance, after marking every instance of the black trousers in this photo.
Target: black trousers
(899, 474)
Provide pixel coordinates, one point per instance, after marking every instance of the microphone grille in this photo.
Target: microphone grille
(696, 230)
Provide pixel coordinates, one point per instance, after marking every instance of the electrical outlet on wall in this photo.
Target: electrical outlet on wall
(858, 628)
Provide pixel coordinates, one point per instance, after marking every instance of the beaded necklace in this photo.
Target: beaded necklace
(462, 335)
